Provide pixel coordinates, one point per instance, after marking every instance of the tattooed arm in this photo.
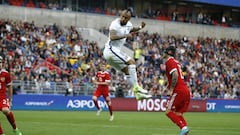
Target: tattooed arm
(174, 81)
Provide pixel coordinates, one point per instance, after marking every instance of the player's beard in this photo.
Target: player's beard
(123, 23)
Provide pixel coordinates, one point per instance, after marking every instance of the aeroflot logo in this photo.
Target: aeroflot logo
(84, 103)
(37, 103)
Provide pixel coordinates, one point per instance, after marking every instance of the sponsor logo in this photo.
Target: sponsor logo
(196, 106)
(36, 103)
(211, 106)
(152, 105)
(232, 106)
(85, 103)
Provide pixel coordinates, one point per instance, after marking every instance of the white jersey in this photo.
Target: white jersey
(112, 51)
(120, 30)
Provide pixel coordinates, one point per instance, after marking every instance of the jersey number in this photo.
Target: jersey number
(4, 101)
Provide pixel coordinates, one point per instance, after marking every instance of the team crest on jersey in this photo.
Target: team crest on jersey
(2, 79)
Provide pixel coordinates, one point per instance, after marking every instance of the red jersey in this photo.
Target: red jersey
(173, 65)
(5, 80)
(102, 77)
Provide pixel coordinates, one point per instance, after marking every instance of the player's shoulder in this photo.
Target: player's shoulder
(4, 71)
(115, 22)
(170, 60)
(99, 72)
(106, 73)
(129, 24)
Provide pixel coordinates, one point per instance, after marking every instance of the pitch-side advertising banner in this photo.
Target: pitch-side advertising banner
(85, 103)
(50, 102)
(217, 105)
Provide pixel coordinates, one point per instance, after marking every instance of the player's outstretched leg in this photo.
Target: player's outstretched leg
(184, 131)
(17, 131)
(140, 93)
(137, 88)
(140, 96)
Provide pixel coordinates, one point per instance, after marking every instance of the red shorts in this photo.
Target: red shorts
(3, 103)
(101, 92)
(179, 101)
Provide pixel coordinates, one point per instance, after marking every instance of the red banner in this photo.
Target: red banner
(152, 105)
(197, 106)
(124, 104)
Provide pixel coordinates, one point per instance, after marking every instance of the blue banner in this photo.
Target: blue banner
(217, 105)
(53, 102)
(232, 3)
(85, 103)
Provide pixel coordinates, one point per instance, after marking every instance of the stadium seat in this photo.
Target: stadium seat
(30, 4)
(42, 5)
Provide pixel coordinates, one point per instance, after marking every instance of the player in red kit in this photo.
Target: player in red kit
(102, 80)
(179, 91)
(6, 97)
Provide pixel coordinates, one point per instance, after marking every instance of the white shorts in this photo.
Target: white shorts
(115, 57)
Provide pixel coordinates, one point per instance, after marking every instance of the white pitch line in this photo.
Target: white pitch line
(162, 134)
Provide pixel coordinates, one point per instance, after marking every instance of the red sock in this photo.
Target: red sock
(1, 131)
(11, 120)
(175, 119)
(110, 108)
(96, 104)
(183, 120)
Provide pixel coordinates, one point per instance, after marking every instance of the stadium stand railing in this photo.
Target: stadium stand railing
(56, 88)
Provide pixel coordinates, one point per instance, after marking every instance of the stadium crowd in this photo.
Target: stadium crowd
(210, 66)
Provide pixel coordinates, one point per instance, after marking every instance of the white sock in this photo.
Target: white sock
(184, 127)
(132, 77)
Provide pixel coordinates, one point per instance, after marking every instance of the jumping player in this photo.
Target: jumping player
(121, 29)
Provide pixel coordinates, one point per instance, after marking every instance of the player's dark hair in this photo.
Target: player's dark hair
(129, 11)
(171, 50)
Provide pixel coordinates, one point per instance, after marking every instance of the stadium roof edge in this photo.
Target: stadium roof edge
(231, 3)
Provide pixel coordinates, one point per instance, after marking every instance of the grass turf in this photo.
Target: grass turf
(125, 123)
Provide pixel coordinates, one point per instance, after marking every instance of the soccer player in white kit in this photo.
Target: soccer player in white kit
(119, 30)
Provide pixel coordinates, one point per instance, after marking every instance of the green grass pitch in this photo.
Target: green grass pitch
(125, 123)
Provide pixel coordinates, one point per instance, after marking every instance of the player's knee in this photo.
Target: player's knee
(132, 66)
(131, 62)
(109, 103)
(167, 112)
(178, 113)
(108, 100)
(5, 111)
(94, 98)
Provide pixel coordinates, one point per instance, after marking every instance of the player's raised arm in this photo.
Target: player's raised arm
(135, 29)
(114, 36)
